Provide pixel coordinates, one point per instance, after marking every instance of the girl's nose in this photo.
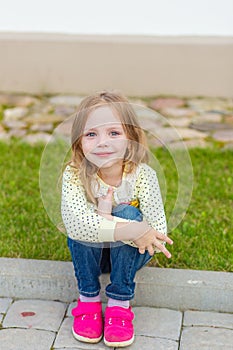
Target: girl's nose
(103, 141)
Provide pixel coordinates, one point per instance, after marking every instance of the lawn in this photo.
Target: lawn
(203, 239)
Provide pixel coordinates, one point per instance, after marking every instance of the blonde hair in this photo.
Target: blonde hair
(136, 153)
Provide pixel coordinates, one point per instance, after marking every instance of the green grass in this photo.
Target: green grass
(203, 240)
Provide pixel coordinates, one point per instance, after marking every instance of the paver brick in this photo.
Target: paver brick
(162, 323)
(4, 304)
(212, 319)
(65, 339)
(206, 338)
(26, 339)
(39, 314)
(149, 343)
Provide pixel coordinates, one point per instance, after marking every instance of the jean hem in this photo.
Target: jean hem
(89, 295)
(119, 297)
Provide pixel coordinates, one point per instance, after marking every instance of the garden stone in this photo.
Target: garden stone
(64, 110)
(37, 314)
(44, 119)
(15, 113)
(179, 122)
(147, 113)
(40, 137)
(66, 100)
(4, 304)
(210, 126)
(148, 124)
(17, 100)
(17, 132)
(164, 135)
(42, 108)
(42, 127)
(229, 119)
(197, 143)
(190, 134)
(15, 124)
(65, 127)
(223, 135)
(207, 118)
(160, 103)
(210, 104)
(25, 339)
(177, 112)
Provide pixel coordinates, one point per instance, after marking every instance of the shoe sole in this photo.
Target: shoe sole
(121, 344)
(86, 339)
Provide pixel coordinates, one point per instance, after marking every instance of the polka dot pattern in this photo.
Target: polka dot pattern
(81, 219)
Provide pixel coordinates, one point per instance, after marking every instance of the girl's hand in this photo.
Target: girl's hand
(105, 203)
(153, 238)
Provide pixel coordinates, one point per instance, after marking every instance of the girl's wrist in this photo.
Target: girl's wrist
(130, 231)
(105, 215)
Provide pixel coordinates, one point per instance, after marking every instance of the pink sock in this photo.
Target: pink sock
(84, 299)
(121, 303)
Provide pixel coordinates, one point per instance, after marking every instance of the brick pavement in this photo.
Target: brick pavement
(33, 324)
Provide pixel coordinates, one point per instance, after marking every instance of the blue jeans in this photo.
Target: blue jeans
(121, 260)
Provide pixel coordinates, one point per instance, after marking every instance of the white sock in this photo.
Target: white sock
(84, 299)
(121, 303)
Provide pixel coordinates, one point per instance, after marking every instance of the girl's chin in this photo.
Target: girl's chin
(107, 164)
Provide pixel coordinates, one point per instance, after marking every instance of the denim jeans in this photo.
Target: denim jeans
(121, 260)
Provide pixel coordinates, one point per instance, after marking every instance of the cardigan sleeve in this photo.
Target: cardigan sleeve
(79, 216)
(150, 199)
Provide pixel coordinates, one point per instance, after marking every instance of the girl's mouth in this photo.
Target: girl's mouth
(103, 154)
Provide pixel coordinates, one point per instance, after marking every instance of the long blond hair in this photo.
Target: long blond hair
(136, 153)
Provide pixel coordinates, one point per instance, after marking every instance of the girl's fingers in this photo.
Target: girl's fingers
(164, 238)
(142, 250)
(151, 250)
(162, 248)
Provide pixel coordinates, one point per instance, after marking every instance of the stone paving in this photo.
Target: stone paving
(46, 325)
(173, 121)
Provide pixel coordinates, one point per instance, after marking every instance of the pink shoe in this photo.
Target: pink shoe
(118, 326)
(88, 323)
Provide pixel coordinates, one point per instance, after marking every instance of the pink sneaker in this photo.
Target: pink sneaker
(118, 326)
(88, 323)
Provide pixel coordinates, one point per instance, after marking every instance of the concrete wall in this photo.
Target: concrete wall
(137, 65)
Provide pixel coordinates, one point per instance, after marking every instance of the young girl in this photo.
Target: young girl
(110, 194)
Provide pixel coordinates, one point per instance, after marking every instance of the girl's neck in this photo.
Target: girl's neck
(112, 176)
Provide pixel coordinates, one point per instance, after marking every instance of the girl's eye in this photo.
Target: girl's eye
(90, 134)
(115, 133)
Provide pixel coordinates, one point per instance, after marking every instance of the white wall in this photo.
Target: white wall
(143, 17)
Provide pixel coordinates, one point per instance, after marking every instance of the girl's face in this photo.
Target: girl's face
(104, 141)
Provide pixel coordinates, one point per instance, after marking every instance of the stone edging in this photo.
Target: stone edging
(168, 288)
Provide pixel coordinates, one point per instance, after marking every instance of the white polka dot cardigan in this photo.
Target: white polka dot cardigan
(80, 217)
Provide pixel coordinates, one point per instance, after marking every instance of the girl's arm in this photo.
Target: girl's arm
(154, 231)
(144, 236)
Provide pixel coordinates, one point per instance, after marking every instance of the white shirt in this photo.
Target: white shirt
(80, 217)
